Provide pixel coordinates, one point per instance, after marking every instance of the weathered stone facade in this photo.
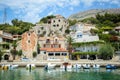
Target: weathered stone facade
(29, 43)
(55, 26)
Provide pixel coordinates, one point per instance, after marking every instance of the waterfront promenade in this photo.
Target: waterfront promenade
(58, 63)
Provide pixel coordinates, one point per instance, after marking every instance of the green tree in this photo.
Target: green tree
(15, 22)
(34, 54)
(13, 51)
(67, 31)
(72, 22)
(69, 41)
(38, 48)
(45, 19)
(106, 51)
(105, 37)
(20, 53)
(17, 26)
(1, 54)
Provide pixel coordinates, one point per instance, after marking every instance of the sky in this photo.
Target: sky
(34, 10)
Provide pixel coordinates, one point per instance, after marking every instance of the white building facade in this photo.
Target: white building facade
(81, 34)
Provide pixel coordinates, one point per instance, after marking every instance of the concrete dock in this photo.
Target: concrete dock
(58, 63)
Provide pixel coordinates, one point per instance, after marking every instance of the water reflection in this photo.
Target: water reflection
(57, 74)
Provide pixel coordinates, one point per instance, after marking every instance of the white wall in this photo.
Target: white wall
(1, 39)
(81, 37)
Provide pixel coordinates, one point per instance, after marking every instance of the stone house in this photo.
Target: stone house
(55, 26)
(29, 43)
(53, 48)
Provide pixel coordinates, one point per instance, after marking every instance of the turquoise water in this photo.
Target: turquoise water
(57, 74)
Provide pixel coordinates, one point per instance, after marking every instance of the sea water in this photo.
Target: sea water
(58, 74)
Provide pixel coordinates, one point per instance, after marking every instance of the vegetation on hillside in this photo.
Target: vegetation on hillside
(17, 26)
(111, 20)
(45, 19)
(1, 54)
(105, 24)
(72, 22)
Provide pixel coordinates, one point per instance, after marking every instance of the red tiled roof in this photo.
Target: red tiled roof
(53, 49)
(51, 38)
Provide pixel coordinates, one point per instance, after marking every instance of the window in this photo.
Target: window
(28, 34)
(48, 41)
(59, 20)
(50, 54)
(42, 28)
(64, 54)
(56, 40)
(49, 22)
(44, 52)
(38, 31)
(57, 54)
(56, 46)
(54, 21)
(57, 25)
(54, 25)
(79, 36)
(28, 41)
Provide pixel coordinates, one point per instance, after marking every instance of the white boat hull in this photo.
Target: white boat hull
(50, 66)
(96, 66)
(86, 66)
(77, 66)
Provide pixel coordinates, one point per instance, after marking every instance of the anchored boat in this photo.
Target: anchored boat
(109, 66)
(30, 66)
(96, 66)
(77, 66)
(49, 66)
(66, 66)
(86, 66)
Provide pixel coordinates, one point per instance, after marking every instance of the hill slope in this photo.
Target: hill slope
(92, 13)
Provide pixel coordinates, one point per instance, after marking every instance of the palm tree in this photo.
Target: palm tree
(70, 40)
(14, 51)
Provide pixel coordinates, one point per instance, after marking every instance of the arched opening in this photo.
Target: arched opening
(92, 57)
(6, 57)
(48, 41)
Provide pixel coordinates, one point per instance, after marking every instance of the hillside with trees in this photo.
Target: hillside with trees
(17, 26)
(106, 23)
(45, 19)
(111, 20)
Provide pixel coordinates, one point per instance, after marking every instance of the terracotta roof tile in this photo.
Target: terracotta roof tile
(51, 38)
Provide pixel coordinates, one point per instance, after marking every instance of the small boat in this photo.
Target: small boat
(96, 66)
(30, 66)
(49, 66)
(4, 67)
(77, 66)
(109, 66)
(66, 66)
(86, 66)
(9, 66)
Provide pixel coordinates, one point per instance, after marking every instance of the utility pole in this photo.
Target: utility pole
(4, 16)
